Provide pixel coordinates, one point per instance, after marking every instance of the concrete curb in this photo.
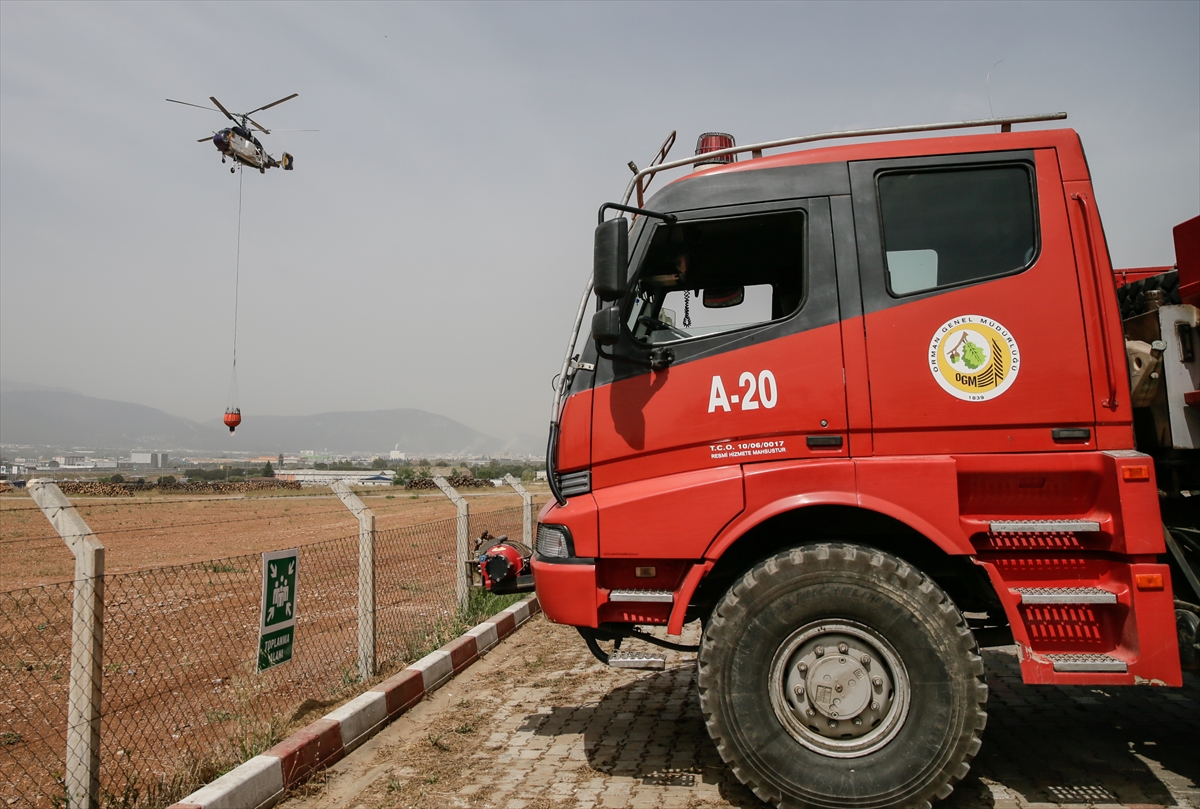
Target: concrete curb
(261, 781)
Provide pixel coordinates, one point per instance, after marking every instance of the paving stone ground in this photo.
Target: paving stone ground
(539, 724)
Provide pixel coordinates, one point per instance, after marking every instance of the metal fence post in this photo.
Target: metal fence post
(462, 546)
(526, 512)
(366, 577)
(87, 644)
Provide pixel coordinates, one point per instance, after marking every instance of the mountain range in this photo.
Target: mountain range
(55, 417)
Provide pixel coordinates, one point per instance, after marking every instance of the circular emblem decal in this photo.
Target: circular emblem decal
(974, 358)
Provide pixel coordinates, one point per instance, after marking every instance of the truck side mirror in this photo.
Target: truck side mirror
(606, 325)
(610, 263)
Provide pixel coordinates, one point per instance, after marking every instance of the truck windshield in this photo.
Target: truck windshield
(718, 275)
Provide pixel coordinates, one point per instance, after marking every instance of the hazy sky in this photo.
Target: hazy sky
(430, 247)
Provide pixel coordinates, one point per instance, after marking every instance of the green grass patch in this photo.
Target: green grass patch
(481, 605)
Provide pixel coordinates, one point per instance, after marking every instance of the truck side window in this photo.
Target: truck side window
(947, 227)
(718, 275)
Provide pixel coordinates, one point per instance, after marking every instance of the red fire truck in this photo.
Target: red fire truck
(862, 409)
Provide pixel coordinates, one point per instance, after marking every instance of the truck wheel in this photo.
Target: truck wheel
(1130, 297)
(837, 676)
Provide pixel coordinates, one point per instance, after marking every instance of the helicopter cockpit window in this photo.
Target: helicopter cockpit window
(719, 275)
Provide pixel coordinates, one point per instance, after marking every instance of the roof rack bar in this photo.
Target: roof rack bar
(850, 133)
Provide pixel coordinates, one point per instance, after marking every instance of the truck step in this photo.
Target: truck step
(1087, 662)
(637, 660)
(1065, 595)
(1042, 526)
(643, 596)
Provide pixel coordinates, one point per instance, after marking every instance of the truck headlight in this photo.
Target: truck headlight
(553, 541)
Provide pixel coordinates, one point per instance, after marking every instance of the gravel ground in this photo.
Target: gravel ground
(539, 724)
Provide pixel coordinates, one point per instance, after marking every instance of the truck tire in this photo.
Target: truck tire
(1131, 297)
(836, 676)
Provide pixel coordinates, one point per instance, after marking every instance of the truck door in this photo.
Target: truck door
(739, 307)
(974, 330)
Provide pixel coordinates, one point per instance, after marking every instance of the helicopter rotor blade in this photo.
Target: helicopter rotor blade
(228, 114)
(261, 128)
(189, 104)
(273, 103)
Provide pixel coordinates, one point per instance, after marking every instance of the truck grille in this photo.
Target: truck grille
(573, 483)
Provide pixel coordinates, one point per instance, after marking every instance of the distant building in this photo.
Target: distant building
(324, 477)
(75, 461)
(397, 456)
(156, 460)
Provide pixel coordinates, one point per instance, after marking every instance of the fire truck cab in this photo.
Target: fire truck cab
(862, 409)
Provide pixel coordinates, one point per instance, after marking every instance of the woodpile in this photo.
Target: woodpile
(84, 488)
(457, 481)
(94, 488)
(468, 482)
(225, 487)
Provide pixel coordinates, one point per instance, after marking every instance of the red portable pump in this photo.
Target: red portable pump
(860, 410)
(504, 566)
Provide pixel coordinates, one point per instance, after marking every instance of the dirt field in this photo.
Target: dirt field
(153, 531)
(182, 696)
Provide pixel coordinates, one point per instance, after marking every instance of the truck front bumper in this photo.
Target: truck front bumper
(566, 589)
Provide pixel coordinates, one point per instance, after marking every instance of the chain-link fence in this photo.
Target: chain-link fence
(181, 698)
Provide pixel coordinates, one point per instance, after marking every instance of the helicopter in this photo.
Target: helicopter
(238, 143)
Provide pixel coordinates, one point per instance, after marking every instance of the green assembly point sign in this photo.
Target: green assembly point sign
(277, 619)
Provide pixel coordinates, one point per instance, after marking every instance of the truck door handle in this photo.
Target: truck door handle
(1111, 401)
(824, 441)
